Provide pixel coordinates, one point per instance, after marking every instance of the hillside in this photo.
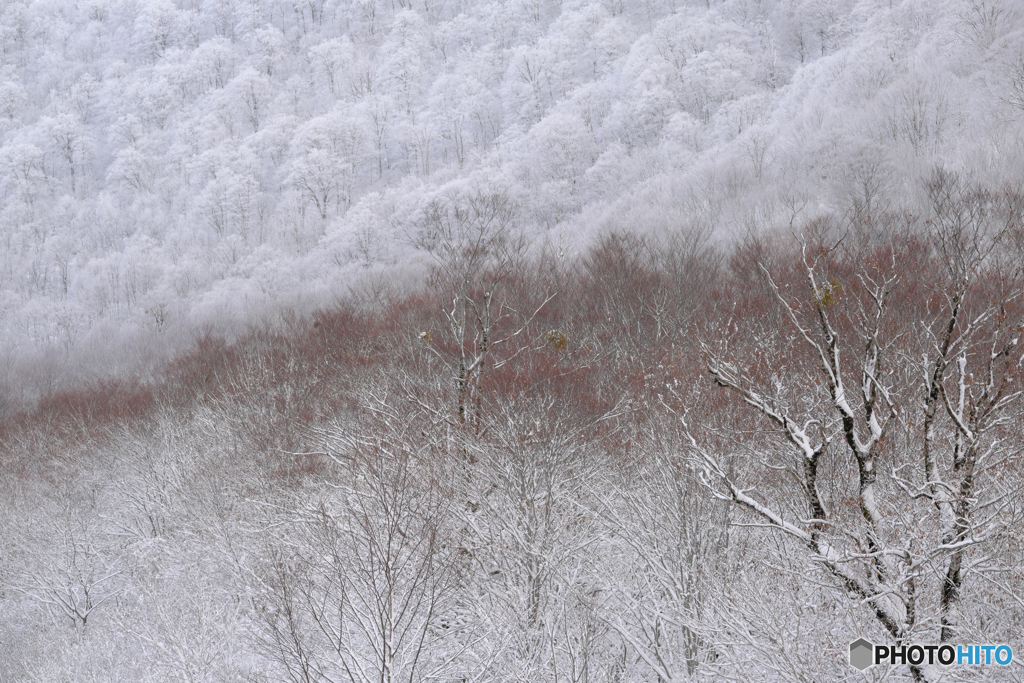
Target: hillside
(580, 341)
(168, 168)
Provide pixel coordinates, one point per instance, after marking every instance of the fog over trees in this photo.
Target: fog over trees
(381, 340)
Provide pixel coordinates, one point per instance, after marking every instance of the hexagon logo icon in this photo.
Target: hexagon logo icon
(860, 654)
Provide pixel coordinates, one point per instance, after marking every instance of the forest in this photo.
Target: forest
(660, 461)
(170, 168)
(579, 341)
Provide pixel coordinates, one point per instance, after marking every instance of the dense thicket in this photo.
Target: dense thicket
(655, 462)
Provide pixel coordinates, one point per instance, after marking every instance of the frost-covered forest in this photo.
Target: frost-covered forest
(171, 167)
(659, 461)
(433, 340)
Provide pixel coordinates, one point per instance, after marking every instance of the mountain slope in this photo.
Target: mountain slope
(166, 166)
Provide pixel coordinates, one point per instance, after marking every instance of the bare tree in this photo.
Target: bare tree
(477, 249)
(675, 541)
(71, 573)
(535, 548)
(356, 588)
(927, 499)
